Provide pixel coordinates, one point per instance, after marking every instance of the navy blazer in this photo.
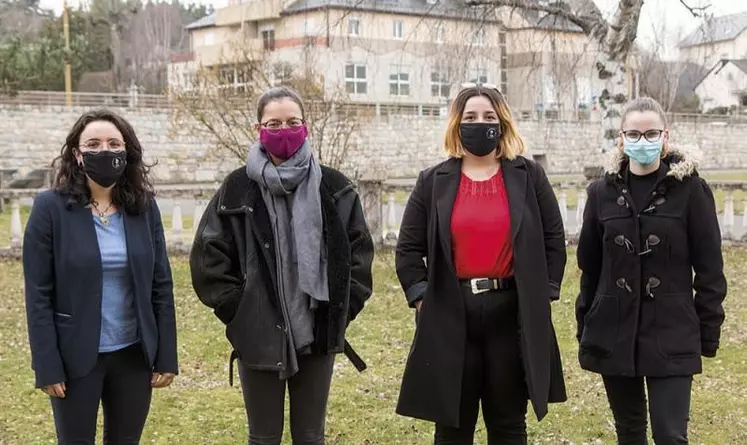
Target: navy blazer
(63, 276)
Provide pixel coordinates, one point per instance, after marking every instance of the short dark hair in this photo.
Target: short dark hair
(133, 190)
(277, 93)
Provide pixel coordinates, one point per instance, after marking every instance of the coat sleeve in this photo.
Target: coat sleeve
(553, 231)
(589, 257)
(361, 257)
(705, 254)
(214, 264)
(412, 246)
(39, 280)
(163, 300)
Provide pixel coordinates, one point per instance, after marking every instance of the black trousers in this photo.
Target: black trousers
(264, 399)
(120, 381)
(493, 373)
(668, 405)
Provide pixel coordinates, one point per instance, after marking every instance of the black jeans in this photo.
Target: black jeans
(120, 381)
(669, 405)
(264, 398)
(493, 373)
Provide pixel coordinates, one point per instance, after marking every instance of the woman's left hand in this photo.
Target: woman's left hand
(159, 380)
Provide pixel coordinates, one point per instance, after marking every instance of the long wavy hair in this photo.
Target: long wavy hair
(132, 192)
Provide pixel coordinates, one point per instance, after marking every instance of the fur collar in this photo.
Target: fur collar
(682, 162)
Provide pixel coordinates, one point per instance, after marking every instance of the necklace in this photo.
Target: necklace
(103, 216)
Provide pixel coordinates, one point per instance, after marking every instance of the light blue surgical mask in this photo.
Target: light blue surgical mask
(643, 152)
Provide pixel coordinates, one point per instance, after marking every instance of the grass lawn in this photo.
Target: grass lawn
(201, 408)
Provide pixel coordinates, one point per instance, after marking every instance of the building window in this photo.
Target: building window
(398, 29)
(354, 26)
(440, 85)
(399, 81)
(268, 39)
(502, 47)
(481, 36)
(478, 76)
(308, 27)
(209, 38)
(438, 33)
(743, 100)
(355, 79)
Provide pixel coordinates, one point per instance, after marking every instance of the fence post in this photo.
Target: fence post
(370, 190)
(16, 227)
(177, 224)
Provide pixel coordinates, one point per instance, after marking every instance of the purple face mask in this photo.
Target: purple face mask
(283, 143)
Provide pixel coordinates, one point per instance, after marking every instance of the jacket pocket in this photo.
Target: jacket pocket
(600, 325)
(677, 325)
(62, 315)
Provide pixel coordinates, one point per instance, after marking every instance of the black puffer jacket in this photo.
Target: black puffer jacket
(233, 269)
(636, 312)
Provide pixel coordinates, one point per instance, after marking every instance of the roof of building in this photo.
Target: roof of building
(438, 8)
(434, 8)
(717, 29)
(739, 63)
(208, 20)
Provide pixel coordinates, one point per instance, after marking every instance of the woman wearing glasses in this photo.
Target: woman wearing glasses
(480, 255)
(99, 294)
(648, 225)
(283, 256)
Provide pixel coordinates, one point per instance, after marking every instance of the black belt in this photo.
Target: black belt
(349, 352)
(480, 285)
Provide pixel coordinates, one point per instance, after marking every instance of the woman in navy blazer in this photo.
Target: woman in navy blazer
(99, 293)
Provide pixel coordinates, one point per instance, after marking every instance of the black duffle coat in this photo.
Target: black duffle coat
(432, 382)
(637, 314)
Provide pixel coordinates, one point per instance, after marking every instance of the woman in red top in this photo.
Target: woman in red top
(481, 254)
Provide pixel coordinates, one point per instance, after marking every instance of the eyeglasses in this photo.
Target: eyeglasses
(489, 86)
(277, 124)
(634, 136)
(98, 145)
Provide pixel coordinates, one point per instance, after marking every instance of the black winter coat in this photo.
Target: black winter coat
(233, 269)
(636, 313)
(432, 383)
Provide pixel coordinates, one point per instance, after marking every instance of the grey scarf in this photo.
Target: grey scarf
(298, 179)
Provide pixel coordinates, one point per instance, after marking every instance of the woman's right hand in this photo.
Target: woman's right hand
(418, 304)
(56, 390)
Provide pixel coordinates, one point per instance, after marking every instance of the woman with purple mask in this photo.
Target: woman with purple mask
(283, 257)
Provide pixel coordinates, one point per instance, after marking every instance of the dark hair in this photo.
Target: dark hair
(132, 192)
(277, 93)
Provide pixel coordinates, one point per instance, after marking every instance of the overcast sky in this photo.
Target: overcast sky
(664, 20)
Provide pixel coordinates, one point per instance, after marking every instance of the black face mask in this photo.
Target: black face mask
(481, 138)
(104, 167)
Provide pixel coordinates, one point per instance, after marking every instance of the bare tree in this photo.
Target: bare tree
(615, 39)
(222, 102)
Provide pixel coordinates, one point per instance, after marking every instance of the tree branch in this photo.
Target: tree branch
(589, 18)
(696, 11)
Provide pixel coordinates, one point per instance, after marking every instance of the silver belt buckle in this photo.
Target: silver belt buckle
(473, 285)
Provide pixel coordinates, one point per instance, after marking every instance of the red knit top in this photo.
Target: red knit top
(481, 229)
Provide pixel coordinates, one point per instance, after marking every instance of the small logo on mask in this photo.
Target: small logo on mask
(116, 163)
(492, 133)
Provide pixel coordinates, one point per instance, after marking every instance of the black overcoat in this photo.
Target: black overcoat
(432, 382)
(233, 269)
(636, 312)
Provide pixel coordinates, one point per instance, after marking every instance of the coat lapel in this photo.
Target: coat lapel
(445, 190)
(136, 233)
(515, 179)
